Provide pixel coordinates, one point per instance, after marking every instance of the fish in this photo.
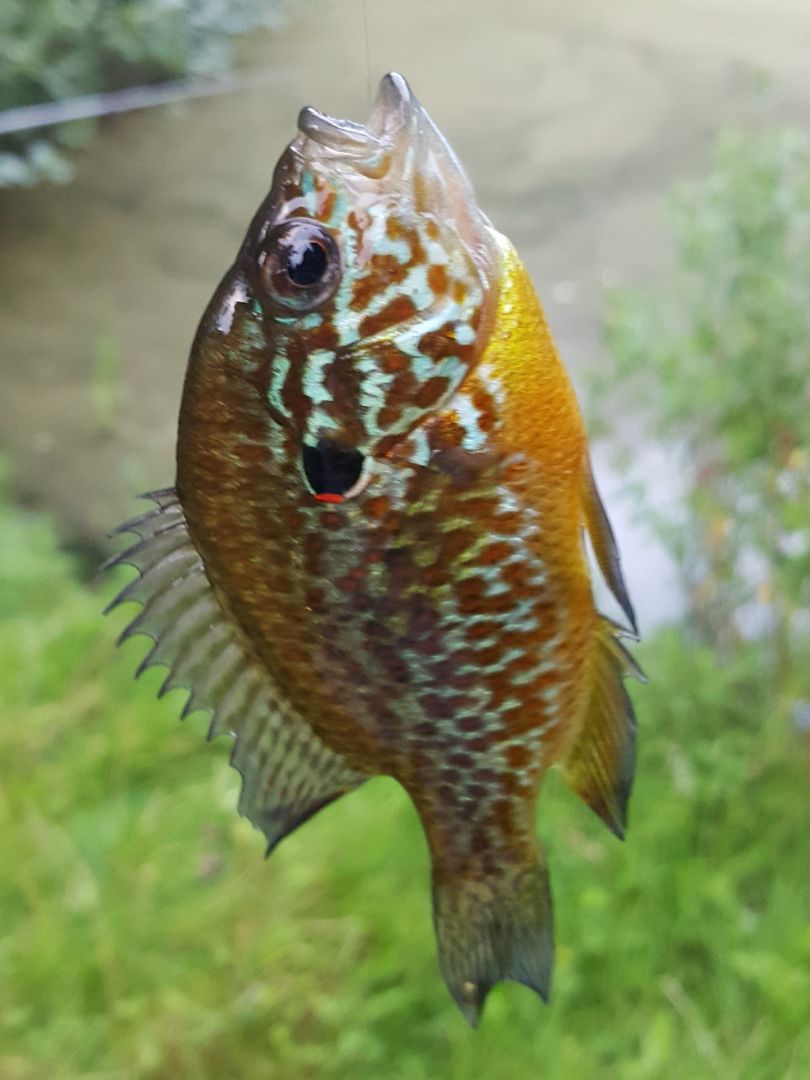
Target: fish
(373, 560)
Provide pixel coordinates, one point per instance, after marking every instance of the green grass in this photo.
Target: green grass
(143, 935)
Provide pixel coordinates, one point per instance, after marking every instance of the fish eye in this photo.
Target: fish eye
(300, 267)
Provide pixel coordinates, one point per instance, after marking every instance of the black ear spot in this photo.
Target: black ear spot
(331, 470)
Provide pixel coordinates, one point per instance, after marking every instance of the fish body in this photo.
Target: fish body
(372, 561)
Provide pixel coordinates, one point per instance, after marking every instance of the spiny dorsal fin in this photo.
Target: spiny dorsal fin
(287, 773)
(599, 766)
(604, 543)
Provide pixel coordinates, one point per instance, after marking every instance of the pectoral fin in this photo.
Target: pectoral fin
(287, 772)
(600, 765)
(604, 543)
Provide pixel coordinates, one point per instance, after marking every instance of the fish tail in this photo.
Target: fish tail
(495, 929)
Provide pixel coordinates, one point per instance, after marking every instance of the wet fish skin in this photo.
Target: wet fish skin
(373, 561)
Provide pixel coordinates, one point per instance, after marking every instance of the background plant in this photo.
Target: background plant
(719, 362)
(142, 935)
(54, 49)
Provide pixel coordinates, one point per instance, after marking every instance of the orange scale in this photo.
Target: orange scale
(526, 719)
(434, 576)
(502, 813)
(314, 597)
(432, 391)
(332, 521)
(488, 656)
(460, 760)
(389, 416)
(405, 384)
(377, 506)
(482, 399)
(470, 586)
(511, 637)
(455, 544)
(475, 791)
(470, 723)
(481, 507)
(521, 663)
(502, 604)
(466, 680)
(481, 744)
(480, 631)
(292, 520)
(486, 421)
(509, 521)
(395, 311)
(459, 292)
(495, 553)
(517, 756)
(437, 279)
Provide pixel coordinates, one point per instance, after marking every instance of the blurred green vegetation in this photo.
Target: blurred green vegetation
(142, 935)
(719, 359)
(55, 49)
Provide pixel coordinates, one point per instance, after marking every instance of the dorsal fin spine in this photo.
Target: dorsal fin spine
(287, 772)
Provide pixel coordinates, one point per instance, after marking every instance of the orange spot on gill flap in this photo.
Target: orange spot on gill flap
(329, 497)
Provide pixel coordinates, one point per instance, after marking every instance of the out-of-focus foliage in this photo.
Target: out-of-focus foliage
(142, 935)
(721, 360)
(54, 49)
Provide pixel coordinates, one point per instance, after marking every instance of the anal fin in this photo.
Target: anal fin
(600, 765)
(288, 773)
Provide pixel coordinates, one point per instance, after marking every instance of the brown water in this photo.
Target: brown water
(573, 120)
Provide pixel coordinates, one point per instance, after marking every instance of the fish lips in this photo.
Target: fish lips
(334, 472)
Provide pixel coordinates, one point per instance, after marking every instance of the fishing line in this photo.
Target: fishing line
(368, 61)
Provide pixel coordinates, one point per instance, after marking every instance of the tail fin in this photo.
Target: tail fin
(492, 930)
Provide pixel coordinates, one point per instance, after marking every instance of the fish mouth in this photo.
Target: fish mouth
(334, 472)
(401, 143)
(394, 116)
(398, 155)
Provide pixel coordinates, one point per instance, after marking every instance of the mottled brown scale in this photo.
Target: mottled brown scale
(382, 270)
(396, 311)
(437, 279)
(389, 416)
(431, 392)
(395, 230)
(324, 336)
(459, 291)
(293, 397)
(440, 343)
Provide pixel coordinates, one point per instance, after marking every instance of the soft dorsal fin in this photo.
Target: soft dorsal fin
(600, 764)
(604, 543)
(288, 773)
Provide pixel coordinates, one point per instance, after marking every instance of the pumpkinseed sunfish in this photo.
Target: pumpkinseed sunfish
(373, 560)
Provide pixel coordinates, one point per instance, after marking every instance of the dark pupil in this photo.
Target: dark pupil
(306, 264)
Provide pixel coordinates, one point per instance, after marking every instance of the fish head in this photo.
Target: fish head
(371, 270)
